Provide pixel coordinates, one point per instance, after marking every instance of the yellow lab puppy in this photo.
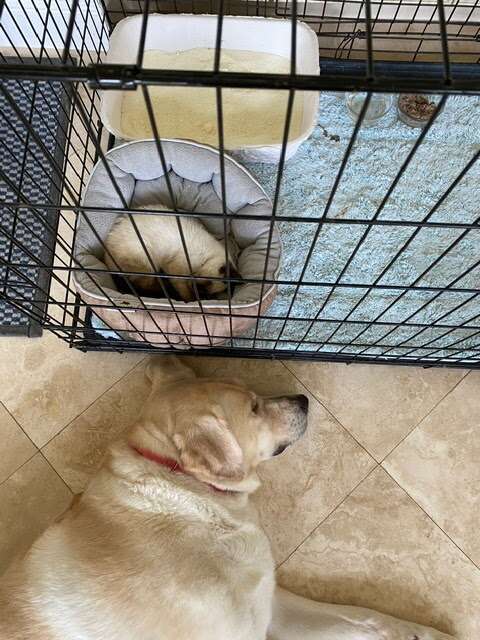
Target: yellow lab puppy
(164, 544)
(166, 252)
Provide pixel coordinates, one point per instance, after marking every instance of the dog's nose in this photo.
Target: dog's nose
(302, 402)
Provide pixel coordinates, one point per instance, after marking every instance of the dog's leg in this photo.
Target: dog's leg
(164, 369)
(296, 618)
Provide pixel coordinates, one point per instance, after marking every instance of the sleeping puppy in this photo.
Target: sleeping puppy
(163, 242)
(164, 544)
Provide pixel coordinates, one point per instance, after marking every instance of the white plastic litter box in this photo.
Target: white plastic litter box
(181, 32)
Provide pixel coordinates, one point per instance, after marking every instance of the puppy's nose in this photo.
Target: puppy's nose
(302, 402)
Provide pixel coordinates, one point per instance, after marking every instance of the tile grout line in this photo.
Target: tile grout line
(351, 434)
(39, 449)
(28, 438)
(330, 413)
(407, 435)
(319, 524)
(19, 467)
(56, 472)
(92, 403)
(431, 519)
(380, 465)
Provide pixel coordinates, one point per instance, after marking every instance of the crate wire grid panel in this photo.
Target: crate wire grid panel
(436, 49)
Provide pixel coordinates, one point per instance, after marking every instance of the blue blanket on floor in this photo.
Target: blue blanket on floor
(344, 314)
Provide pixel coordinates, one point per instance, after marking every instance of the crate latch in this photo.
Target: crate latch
(114, 77)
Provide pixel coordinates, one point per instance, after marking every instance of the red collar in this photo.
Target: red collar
(171, 464)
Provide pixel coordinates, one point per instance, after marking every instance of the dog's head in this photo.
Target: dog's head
(218, 431)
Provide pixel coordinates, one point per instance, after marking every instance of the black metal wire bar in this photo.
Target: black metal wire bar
(71, 25)
(38, 318)
(409, 240)
(331, 196)
(293, 319)
(26, 278)
(281, 164)
(368, 26)
(17, 162)
(46, 224)
(28, 46)
(445, 315)
(42, 44)
(163, 163)
(435, 296)
(192, 278)
(379, 210)
(286, 341)
(116, 76)
(18, 270)
(51, 86)
(303, 283)
(467, 21)
(465, 325)
(221, 148)
(41, 117)
(83, 48)
(224, 337)
(448, 347)
(115, 185)
(35, 235)
(58, 170)
(280, 354)
(21, 178)
(100, 34)
(143, 33)
(19, 194)
(6, 62)
(443, 32)
(421, 224)
(82, 182)
(467, 350)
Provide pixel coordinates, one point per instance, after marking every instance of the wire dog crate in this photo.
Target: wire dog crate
(379, 224)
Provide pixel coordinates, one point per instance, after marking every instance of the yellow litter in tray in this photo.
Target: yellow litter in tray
(250, 116)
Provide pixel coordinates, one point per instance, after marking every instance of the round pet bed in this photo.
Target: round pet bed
(194, 174)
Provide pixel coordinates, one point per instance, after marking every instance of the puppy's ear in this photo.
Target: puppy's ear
(164, 369)
(208, 450)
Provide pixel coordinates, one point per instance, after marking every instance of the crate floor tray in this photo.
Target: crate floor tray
(33, 132)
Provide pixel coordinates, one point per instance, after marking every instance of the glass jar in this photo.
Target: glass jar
(379, 105)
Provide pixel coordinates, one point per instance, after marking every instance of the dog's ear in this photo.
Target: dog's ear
(209, 450)
(164, 369)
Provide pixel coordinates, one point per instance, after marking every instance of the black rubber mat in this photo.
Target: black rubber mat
(30, 171)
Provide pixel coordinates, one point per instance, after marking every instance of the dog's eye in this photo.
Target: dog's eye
(255, 406)
(222, 271)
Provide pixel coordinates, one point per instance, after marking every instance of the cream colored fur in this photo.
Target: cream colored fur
(162, 239)
(150, 554)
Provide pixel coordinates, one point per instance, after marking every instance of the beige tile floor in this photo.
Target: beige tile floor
(379, 505)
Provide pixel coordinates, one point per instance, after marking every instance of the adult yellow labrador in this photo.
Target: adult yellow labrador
(164, 543)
